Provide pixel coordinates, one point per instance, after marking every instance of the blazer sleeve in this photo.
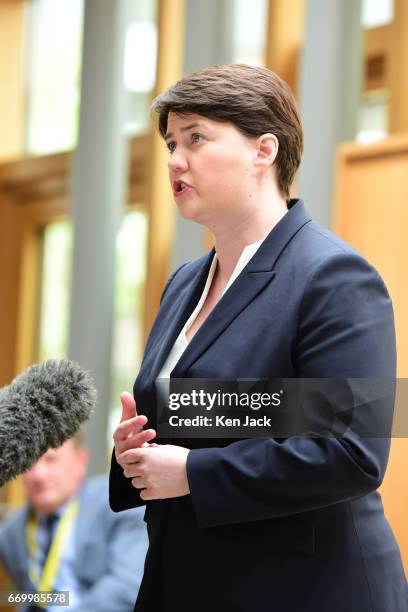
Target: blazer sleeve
(345, 330)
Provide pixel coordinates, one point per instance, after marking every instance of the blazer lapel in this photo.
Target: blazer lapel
(243, 290)
(174, 319)
(258, 273)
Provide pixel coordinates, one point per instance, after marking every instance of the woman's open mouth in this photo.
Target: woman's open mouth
(180, 188)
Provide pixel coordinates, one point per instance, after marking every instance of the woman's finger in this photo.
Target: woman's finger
(135, 441)
(131, 426)
(138, 482)
(131, 470)
(128, 406)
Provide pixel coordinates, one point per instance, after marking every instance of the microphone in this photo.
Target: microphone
(41, 408)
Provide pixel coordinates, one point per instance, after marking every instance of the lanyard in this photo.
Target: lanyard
(47, 579)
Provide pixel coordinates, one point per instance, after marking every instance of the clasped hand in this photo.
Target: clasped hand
(159, 470)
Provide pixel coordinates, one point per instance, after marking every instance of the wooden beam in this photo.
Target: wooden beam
(398, 69)
(10, 249)
(376, 41)
(12, 96)
(10, 258)
(376, 58)
(285, 34)
(47, 177)
(161, 208)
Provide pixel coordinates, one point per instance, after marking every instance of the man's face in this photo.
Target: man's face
(56, 477)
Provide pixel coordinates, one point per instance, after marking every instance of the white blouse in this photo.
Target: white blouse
(181, 342)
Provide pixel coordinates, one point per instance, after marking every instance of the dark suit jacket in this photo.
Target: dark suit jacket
(280, 525)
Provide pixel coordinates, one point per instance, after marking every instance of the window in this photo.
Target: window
(374, 104)
(140, 64)
(54, 62)
(54, 302)
(373, 118)
(127, 345)
(131, 244)
(54, 52)
(249, 31)
(377, 13)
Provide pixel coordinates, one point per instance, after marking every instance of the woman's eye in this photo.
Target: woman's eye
(196, 138)
(171, 146)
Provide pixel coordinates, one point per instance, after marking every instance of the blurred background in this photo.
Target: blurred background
(88, 228)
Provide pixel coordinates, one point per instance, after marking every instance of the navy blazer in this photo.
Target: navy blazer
(280, 525)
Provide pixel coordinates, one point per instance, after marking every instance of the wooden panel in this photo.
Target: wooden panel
(371, 213)
(160, 201)
(376, 53)
(10, 260)
(41, 178)
(398, 73)
(285, 33)
(376, 41)
(34, 217)
(5, 584)
(373, 216)
(10, 249)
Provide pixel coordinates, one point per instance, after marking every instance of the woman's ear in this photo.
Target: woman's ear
(267, 147)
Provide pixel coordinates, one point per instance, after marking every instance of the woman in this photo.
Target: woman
(263, 524)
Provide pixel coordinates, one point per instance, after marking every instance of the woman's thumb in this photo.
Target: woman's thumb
(128, 407)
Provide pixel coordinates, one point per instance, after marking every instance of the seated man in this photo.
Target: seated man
(68, 539)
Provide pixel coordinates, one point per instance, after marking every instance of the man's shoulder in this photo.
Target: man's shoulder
(13, 526)
(14, 519)
(94, 498)
(93, 485)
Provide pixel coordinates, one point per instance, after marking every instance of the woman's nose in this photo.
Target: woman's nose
(177, 162)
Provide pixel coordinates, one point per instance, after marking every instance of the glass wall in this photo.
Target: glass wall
(131, 247)
(374, 104)
(128, 307)
(54, 290)
(140, 64)
(54, 49)
(54, 62)
(249, 31)
(373, 117)
(377, 13)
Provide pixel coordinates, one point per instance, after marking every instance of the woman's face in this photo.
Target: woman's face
(211, 168)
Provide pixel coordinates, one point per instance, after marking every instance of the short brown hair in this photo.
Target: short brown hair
(254, 99)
